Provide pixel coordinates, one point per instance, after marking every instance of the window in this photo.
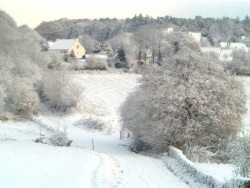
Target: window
(77, 46)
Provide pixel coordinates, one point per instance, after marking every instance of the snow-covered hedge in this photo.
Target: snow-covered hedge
(177, 162)
(60, 139)
(90, 123)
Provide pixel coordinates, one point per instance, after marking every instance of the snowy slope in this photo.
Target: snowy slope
(26, 164)
(103, 95)
(111, 164)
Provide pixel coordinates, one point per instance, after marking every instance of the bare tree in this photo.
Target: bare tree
(148, 40)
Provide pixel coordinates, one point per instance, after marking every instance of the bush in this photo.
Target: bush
(90, 123)
(56, 59)
(59, 90)
(240, 65)
(93, 63)
(239, 153)
(69, 58)
(24, 99)
(188, 101)
(60, 139)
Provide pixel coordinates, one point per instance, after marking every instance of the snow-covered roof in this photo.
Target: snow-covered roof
(234, 45)
(62, 44)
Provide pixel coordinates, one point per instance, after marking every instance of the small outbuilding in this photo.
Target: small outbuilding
(234, 46)
(69, 46)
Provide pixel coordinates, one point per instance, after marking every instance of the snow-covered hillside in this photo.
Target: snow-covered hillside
(27, 164)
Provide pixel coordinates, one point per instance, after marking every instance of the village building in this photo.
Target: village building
(234, 46)
(225, 50)
(69, 46)
(196, 36)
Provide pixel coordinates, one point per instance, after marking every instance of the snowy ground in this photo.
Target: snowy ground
(24, 163)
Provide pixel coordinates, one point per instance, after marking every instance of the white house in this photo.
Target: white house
(196, 36)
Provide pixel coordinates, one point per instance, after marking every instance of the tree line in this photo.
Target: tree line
(134, 39)
(104, 29)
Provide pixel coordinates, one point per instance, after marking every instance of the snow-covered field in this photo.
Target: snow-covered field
(24, 163)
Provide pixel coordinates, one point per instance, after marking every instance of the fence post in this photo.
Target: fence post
(93, 147)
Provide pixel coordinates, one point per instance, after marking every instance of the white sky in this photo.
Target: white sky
(33, 12)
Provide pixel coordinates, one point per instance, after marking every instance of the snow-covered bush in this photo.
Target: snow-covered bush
(187, 101)
(239, 153)
(56, 59)
(59, 90)
(240, 65)
(24, 98)
(70, 58)
(60, 138)
(89, 123)
(94, 63)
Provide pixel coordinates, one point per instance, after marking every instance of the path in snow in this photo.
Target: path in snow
(24, 164)
(106, 93)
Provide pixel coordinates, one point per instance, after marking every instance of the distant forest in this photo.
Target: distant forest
(104, 29)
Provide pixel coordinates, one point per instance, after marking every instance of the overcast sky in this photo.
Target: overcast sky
(33, 12)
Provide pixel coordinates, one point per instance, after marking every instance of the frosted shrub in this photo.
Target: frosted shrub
(55, 59)
(60, 139)
(59, 90)
(90, 123)
(93, 63)
(239, 153)
(24, 99)
(240, 65)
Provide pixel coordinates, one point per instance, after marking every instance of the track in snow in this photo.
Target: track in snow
(107, 92)
(25, 164)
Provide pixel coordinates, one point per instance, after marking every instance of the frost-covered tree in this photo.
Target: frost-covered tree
(22, 62)
(187, 101)
(148, 41)
(123, 51)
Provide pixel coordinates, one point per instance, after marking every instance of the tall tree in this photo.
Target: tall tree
(187, 101)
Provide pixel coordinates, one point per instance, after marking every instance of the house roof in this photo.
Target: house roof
(62, 44)
(233, 45)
